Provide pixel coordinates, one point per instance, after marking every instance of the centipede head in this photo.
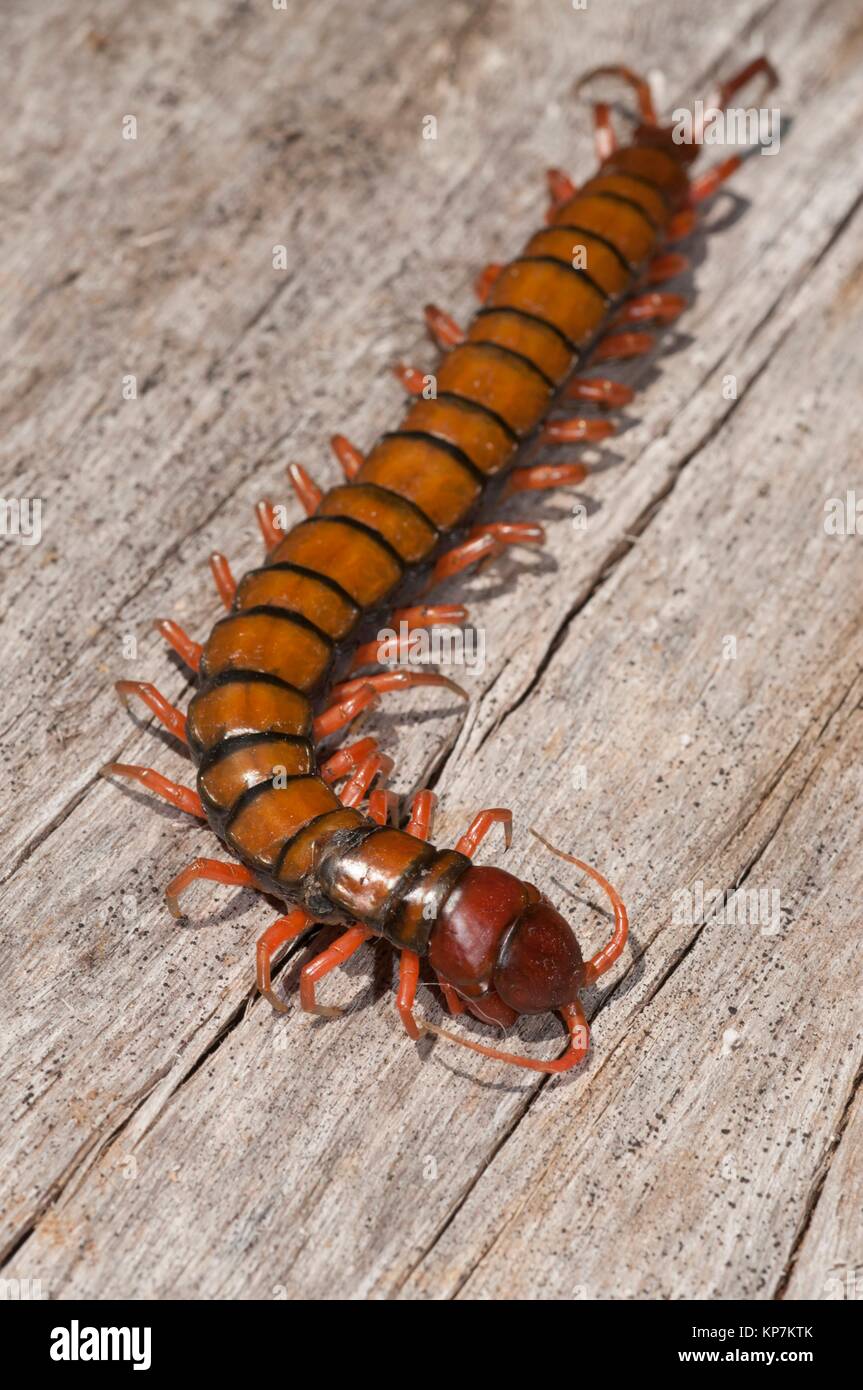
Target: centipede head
(506, 949)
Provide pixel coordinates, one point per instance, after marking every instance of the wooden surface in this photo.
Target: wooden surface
(674, 691)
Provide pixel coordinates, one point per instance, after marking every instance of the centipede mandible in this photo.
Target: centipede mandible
(289, 668)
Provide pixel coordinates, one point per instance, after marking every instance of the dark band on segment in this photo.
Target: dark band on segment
(603, 241)
(499, 350)
(530, 318)
(621, 198)
(436, 441)
(289, 567)
(281, 615)
(467, 404)
(235, 743)
(567, 265)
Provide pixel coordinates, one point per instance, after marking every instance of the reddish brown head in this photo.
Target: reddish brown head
(507, 951)
(505, 948)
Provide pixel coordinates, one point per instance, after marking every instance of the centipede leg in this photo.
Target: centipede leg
(479, 828)
(184, 798)
(349, 456)
(308, 493)
(604, 138)
(422, 616)
(733, 84)
(659, 308)
(620, 346)
(347, 706)
(409, 973)
(419, 825)
(373, 766)
(226, 584)
(182, 643)
(214, 871)
(444, 330)
(543, 476)
(601, 390)
(270, 528)
(560, 189)
(577, 430)
(422, 815)
(707, 183)
(383, 805)
(483, 283)
(173, 719)
(681, 225)
(578, 1043)
(396, 680)
(453, 1000)
(347, 759)
(281, 931)
(336, 955)
(666, 267)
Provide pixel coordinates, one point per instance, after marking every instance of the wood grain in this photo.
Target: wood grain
(673, 691)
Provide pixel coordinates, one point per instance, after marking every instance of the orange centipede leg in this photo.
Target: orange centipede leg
(424, 615)
(577, 430)
(560, 189)
(430, 614)
(681, 225)
(347, 760)
(666, 267)
(396, 680)
(349, 456)
(422, 815)
(707, 183)
(226, 584)
(383, 805)
(173, 719)
(461, 557)
(214, 871)
(543, 476)
(578, 1043)
(411, 378)
(422, 812)
(443, 329)
(344, 710)
(758, 65)
(270, 528)
(619, 346)
(604, 138)
(308, 492)
(639, 85)
(184, 798)
(483, 283)
(281, 931)
(479, 828)
(660, 308)
(453, 999)
(511, 532)
(376, 764)
(182, 643)
(602, 391)
(341, 950)
(409, 974)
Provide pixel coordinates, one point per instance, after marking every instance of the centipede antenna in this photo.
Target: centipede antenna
(604, 959)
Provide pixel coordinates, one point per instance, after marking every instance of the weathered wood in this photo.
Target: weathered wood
(172, 1137)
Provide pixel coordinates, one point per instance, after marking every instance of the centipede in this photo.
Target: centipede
(290, 666)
